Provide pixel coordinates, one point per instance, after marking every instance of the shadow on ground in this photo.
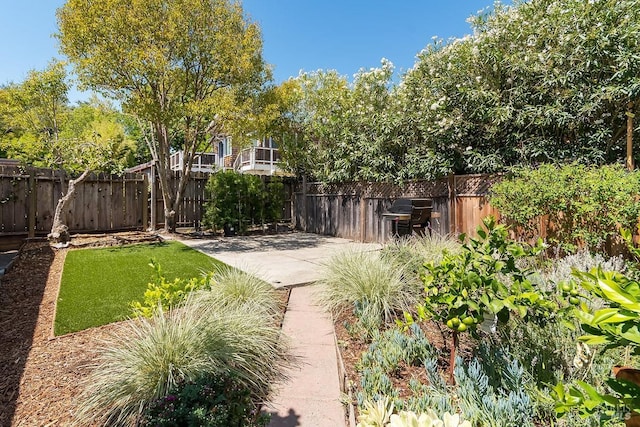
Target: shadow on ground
(291, 420)
(270, 242)
(21, 292)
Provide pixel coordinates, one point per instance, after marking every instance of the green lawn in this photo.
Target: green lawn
(98, 285)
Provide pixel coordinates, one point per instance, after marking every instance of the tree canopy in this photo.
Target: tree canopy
(40, 128)
(188, 67)
(539, 81)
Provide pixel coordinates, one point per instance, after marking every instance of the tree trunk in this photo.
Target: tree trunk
(59, 231)
(452, 359)
(161, 155)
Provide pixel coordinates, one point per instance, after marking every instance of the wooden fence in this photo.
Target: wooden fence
(354, 210)
(194, 200)
(28, 198)
(103, 202)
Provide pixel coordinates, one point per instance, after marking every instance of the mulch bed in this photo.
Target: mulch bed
(40, 375)
(352, 347)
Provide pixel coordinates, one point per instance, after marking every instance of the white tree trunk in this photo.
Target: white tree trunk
(59, 231)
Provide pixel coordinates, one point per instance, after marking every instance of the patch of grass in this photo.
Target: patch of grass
(98, 285)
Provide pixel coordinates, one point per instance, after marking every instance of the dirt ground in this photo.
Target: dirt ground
(40, 374)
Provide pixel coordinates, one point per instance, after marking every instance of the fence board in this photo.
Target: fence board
(98, 204)
(21, 192)
(104, 198)
(117, 200)
(469, 213)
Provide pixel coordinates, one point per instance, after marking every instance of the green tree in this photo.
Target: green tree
(541, 81)
(538, 82)
(187, 67)
(336, 131)
(41, 129)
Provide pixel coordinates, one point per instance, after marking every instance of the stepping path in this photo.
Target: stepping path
(311, 397)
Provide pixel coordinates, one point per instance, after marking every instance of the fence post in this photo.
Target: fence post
(304, 203)
(31, 214)
(145, 202)
(452, 204)
(154, 214)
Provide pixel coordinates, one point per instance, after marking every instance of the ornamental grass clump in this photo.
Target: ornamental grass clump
(150, 357)
(412, 252)
(236, 287)
(369, 282)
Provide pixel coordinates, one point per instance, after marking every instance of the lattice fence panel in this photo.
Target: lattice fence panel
(383, 190)
(475, 185)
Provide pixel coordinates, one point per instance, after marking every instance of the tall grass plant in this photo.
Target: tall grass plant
(370, 282)
(411, 252)
(152, 356)
(231, 286)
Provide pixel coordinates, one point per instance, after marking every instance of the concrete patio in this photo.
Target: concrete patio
(287, 259)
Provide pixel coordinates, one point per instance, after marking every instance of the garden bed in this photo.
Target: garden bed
(40, 375)
(351, 348)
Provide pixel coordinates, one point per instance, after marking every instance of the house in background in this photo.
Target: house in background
(262, 158)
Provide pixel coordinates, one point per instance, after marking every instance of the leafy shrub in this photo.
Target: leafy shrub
(210, 401)
(562, 268)
(165, 294)
(482, 278)
(583, 206)
(237, 200)
(370, 283)
(150, 357)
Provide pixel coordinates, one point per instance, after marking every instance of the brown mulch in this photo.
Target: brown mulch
(41, 375)
(352, 346)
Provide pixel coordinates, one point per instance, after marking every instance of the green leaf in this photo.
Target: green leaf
(591, 392)
(614, 293)
(522, 311)
(595, 339)
(495, 305)
(632, 334)
(559, 391)
(610, 315)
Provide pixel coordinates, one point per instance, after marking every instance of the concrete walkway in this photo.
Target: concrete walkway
(311, 397)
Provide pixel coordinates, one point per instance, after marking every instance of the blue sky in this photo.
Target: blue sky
(343, 35)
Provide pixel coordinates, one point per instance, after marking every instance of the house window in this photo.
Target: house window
(224, 147)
